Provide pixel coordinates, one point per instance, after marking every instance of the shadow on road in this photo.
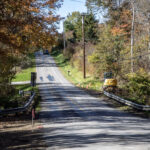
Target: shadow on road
(74, 119)
(50, 78)
(16, 134)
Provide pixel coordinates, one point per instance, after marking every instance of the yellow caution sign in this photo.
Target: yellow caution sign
(110, 82)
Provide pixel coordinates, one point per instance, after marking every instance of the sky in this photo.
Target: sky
(70, 6)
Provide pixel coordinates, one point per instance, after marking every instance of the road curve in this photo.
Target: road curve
(74, 120)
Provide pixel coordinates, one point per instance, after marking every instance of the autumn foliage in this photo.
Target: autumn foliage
(25, 26)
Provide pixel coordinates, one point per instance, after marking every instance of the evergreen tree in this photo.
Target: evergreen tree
(74, 23)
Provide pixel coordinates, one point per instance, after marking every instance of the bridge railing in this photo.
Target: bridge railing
(127, 102)
(19, 109)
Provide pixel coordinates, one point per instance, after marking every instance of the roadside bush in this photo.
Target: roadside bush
(6, 90)
(10, 98)
(69, 51)
(139, 86)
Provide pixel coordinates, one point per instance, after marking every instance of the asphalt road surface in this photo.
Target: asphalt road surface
(74, 120)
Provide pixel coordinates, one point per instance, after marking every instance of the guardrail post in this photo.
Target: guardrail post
(33, 117)
(21, 92)
(32, 92)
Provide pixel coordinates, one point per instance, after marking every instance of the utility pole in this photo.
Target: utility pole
(83, 40)
(132, 34)
(64, 38)
(149, 32)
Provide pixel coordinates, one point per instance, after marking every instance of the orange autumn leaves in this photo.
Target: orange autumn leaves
(25, 26)
(120, 30)
(27, 18)
(123, 25)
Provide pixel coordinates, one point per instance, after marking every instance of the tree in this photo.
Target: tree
(70, 25)
(116, 33)
(108, 52)
(97, 4)
(24, 24)
(74, 23)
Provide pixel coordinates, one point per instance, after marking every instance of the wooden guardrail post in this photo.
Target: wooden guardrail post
(33, 117)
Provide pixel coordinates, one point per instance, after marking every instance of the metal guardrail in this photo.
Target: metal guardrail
(19, 109)
(127, 102)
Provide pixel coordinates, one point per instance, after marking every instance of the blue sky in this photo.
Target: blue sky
(69, 6)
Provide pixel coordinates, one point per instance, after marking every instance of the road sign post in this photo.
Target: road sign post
(33, 79)
(33, 117)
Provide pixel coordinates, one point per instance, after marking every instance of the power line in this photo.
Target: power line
(77, 1)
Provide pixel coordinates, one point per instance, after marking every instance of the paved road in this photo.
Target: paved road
(74, 120)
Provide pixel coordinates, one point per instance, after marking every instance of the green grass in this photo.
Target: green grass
(76, 76)
(26, 87)
(25, 74)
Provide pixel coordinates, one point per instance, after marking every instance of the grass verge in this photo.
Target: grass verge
(74, 75)
(25, 73)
